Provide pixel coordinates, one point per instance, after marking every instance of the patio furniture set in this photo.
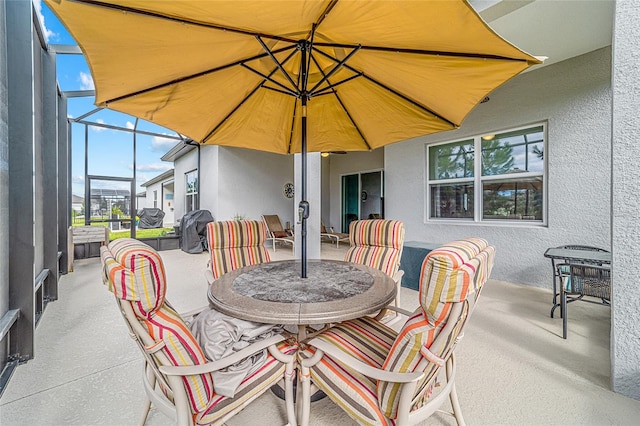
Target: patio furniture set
(579, 271)
(342, 342)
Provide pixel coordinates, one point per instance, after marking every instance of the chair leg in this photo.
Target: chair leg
(145, 412)
(563, 310)
(453, 396)
(147, 404)
(289, 377)
(304, 400)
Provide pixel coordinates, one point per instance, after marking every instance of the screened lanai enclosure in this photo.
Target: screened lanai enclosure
(54, 152)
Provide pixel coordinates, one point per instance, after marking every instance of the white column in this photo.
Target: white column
(314, 199)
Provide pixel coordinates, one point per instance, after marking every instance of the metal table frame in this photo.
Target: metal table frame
(564, 255)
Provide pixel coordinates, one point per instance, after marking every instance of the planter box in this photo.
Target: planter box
(162, 243)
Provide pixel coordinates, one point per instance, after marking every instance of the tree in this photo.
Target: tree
(497, 158)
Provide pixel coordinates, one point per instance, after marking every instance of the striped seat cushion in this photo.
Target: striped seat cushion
(452, 272)
(251, 387)
(135, 272)
(367, 340)
(376, 243)
(236, 243)
(449, 274)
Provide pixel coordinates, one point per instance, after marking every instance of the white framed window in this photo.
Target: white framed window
(155, 199)
(505, 183)
(192, 201)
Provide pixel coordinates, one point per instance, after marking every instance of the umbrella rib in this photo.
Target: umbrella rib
(246, 98)
(423, 52)
(324, 13)
(293, 121)
(331, 87)
(196, 75)
(273, 58)
(268, 78)
(364, 139)
(391, 90)
(120, 8)
(333, 71)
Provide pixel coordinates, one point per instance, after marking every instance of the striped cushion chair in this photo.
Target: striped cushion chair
(380, 376)
(378, 243)
(234, 244)
(177, 377)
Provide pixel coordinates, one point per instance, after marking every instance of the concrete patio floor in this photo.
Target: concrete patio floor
(513, 366)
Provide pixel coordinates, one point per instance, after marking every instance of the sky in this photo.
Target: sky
(111, 151)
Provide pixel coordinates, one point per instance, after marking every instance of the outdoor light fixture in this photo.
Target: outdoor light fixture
(488, 137)
(324, 154)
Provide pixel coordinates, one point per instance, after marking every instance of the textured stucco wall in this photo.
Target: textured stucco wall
(182, 165)
(4, 178)
(574, 98)
(251, 184)
(625, 212)
(345, 164)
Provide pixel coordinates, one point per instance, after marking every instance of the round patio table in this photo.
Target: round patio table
(274, 293)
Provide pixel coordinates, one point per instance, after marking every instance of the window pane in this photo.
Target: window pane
(191, 179)
(452, 200)
(513, 152)
(452, 160)
(512, 199)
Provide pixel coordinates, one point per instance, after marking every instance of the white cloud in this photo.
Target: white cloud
(130, 125)
(152, 167)
(98, 128)
(86, 81)
(160, 144)
(77, 179)
(48, 34)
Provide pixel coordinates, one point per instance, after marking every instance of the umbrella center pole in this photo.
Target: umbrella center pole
(303, 207)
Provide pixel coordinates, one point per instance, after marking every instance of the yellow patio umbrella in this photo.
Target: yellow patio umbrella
(251, 73)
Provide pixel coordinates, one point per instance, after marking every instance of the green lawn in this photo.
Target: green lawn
(140, 233)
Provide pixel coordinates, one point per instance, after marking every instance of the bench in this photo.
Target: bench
(85, 235)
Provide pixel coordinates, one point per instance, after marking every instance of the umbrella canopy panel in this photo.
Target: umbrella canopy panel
(229, 72)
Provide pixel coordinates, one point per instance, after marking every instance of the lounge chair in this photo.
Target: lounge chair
(275, 231)
(332, 236)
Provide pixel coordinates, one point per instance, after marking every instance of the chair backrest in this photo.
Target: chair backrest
(451, 279)
(274, 226)
(236, 243)
(590, 280)
(134, 272)
(376, 243)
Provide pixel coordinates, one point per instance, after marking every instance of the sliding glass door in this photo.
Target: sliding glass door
(362, 197)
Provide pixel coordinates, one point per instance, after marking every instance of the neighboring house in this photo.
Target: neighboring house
(141, 200)
(159, 195)
(231, 182)
(77, 203)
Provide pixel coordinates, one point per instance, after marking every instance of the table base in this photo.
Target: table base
(279, 392)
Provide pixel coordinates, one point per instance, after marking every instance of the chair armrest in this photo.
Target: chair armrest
(208, 273)
(399, 310)
(188, 370)
(397, 277)
(359, 366)
(193, 312)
